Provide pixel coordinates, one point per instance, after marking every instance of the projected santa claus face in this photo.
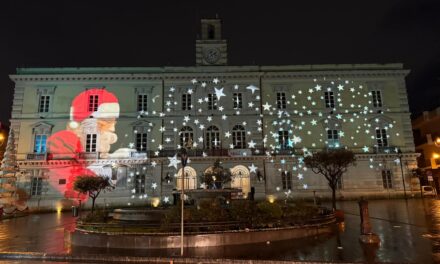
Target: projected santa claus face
(93, 114)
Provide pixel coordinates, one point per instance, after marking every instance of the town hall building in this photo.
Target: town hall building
(130, 123)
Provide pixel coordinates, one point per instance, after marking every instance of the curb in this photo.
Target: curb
(157, 260)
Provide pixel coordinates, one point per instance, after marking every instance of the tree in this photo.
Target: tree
(92, 185)
(332, 164)
(8, 180)
(216, 176)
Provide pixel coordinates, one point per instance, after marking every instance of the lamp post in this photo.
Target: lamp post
(400, 154)
(184, 159)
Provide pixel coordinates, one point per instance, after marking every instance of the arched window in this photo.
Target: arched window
(241, 179)
(186, 137)
(212, 137)
(239, 137)
(190, 180)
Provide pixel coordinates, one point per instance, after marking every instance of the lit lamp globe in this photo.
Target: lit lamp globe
(437, 142)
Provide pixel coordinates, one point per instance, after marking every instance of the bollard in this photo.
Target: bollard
(74, 211)
(367, 236)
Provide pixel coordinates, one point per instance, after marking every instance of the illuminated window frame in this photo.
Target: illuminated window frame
(381, 137)
(212, 138)
(377, 98)
(238, 100)
(142, 102)
(141, 142)
(91, 140)
(139, 183)
(387, 179)
(286, 179)
(186, 137)
(283, 139)
(40, 141)
(36, 186)
(239, 137)
(281, 100)
(44, 103)
(212, 102)
(333, 138)
(186, 102)
(329, 99)
(93, 102)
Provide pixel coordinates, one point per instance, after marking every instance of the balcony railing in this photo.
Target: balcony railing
(162, 153)
(385, 150)
(36, 156)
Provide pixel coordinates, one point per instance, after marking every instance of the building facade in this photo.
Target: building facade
(426, 129)
(129, 124)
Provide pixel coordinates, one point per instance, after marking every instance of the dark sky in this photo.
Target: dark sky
(162, 33)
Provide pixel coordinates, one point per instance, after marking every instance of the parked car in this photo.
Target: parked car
(428, 191)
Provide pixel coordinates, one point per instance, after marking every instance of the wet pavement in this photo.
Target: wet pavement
(409, 232)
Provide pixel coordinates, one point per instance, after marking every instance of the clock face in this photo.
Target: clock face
(212, 55)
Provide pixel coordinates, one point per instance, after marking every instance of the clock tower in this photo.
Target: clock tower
(211, 49)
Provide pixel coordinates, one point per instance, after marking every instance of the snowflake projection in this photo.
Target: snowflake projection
(330, 113)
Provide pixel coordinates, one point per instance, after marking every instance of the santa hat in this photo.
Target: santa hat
(84, 106)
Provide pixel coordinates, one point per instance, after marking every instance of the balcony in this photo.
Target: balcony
(153, 154)
(385, 150)
(36, 156)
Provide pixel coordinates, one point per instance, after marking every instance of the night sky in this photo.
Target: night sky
(163, 33)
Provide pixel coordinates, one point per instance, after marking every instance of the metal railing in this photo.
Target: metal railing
(36, 156)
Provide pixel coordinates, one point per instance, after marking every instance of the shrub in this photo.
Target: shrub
(268, 214)
(95, 217)
(242, 210)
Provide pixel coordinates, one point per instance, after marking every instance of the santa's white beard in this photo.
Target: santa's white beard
(105, 141)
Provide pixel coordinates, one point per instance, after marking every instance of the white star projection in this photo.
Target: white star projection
(173, 161)
(330, 113)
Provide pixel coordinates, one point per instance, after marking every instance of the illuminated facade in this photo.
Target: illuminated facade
(426, 129)
(128, 124)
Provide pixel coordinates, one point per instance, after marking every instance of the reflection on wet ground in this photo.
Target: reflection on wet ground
(409, 232)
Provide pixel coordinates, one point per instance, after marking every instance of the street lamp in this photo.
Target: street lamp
(183, 159)
(400, 155)
(437, 142)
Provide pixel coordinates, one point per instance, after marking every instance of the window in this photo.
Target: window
(190, 180)
(142, 102)
(381, 137)
(283, 139)
(40, 144)
(91, 143)
(62, 181)
(186, 102)
(286, 178)
(139, 183)
(212, 138)
(43, 106)
(212, 102)
(333, 138)
(238, 102)
(377, 98)
(36, 186)
(93, 103)
(211, 31)
(329, 100)
(239, 137)
(186, 137)
(386, 179)
(281, 100)
(339, 184)
(141, 141)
